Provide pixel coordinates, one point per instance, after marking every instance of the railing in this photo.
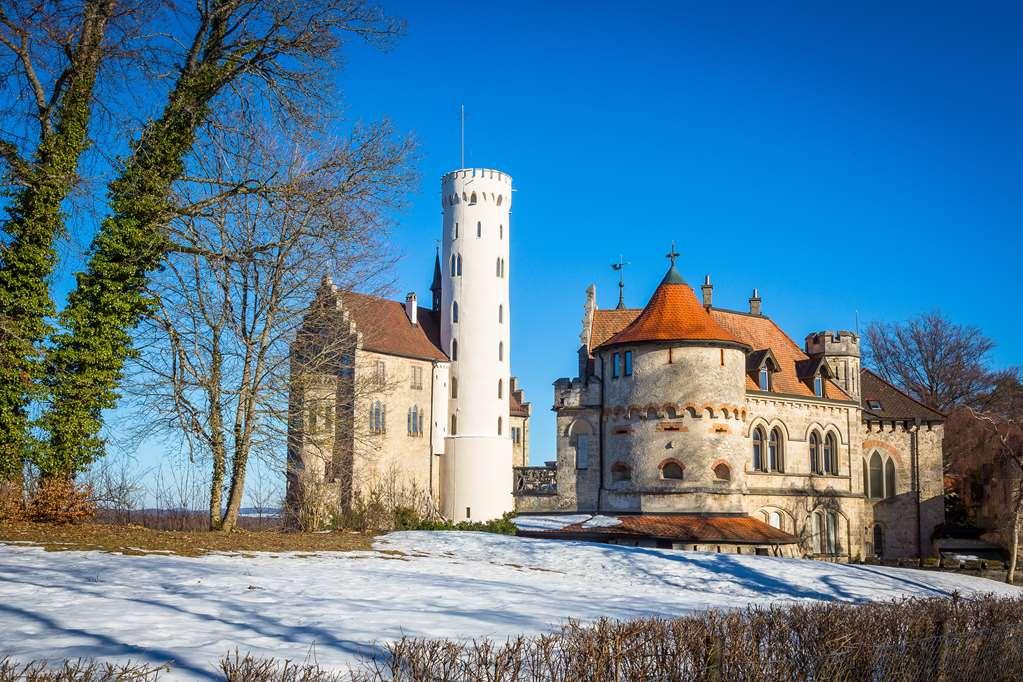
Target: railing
(535, 481)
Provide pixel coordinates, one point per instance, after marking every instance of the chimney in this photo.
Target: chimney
(708, 291)
(412, 308)
(513, 384)
(754, 303)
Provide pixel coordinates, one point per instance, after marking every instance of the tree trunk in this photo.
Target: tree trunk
(216, 434)
(234, 498)
(1014, 543)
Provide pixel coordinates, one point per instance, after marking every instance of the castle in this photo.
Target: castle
(392, 394)
(690, 426)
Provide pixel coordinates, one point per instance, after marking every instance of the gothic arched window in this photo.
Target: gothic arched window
(454, 425)
(499, 424)
(815, 453)
(500, 388)
(775, 451)
(452, 265)
(454, 387)
(479, 229)
(454, 350)
(500, 351)
(758, 449)
(765, 379)
(454, 311)
(722, 472)
(878, 540)
(500, 314)
(876, 477)
(830, 455)
(889, 478)
(459, 263)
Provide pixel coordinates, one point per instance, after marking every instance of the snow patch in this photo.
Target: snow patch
(601, 521)
(552, 522)
(342, 606)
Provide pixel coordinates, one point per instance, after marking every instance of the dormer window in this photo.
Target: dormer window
(765, 379)
(818, 386)
(874, 404)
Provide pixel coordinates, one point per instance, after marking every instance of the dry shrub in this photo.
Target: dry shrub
(248, 669)
(61, 500)
(12, 501)
(916, 639)
(81, 670)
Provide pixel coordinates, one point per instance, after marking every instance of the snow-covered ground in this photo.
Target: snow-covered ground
(338, 607)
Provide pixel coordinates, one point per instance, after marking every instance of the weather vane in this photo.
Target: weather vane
(673, 254)
(619, 267)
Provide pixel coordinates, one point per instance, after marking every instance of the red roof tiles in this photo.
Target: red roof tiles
(386, 328)
(672, 314)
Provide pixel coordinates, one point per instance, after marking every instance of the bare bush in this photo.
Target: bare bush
(237, 668)
(80, 670)
(61, 500)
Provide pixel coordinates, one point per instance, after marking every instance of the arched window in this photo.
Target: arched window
(459, 265)
(876, 476)
(889, 478)
(776, 520)
(456, 230)
(452, 265)
(500, 198)
(500, 228)
(498, 267)
(758, 449)
(765, 379)
(454, 311)
(454, 425)
(500, 314)
(479, 229)
(454, 350)
(878, 540)
(830, 455)
(827, 532)
(472, 199)
(454, 387)
(580, 434)
(672, 470)
(775, 451)
(722, 472)
(499, 425)
(815, 453)
(818, 386)
(621, 472)
(500, 351)
(500, 388)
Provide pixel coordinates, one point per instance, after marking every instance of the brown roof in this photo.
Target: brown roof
(679, 527)
(516, 407)
(386, 328)
(894, 403)
(672, 314)
(756, 331)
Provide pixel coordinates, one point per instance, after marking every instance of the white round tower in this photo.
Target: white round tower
(476, 469)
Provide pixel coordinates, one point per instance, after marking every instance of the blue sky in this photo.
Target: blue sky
(844, 160)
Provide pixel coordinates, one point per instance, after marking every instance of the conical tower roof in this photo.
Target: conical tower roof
(673, 314)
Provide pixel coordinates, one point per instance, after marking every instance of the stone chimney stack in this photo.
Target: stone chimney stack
(754, 303)
(412, 308)
(708, 291)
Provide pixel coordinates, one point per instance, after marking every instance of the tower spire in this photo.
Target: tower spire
(435, 286)
(619, 267)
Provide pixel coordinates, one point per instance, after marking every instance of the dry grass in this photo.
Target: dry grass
(131, 539)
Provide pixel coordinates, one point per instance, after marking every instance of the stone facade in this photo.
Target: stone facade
(743, 423)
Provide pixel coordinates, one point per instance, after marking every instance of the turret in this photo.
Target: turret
(476, 470)
(841, 350)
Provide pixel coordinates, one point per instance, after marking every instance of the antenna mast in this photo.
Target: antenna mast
(462, 135)
(619, 267)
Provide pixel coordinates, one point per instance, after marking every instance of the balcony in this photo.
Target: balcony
(537, 481)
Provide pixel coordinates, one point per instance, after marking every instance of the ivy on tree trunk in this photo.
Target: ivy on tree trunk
(34, 221)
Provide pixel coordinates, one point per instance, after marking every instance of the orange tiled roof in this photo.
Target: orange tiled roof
(672, 314)
(516, 407)
(756, 331)
(679, 527)
(386, 328)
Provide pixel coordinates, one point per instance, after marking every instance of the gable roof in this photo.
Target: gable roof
(672, 314)
(895, 404)
(756, 331)
(386, 328)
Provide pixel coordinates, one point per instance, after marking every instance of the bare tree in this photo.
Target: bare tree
(240, 278)
(941, 364)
